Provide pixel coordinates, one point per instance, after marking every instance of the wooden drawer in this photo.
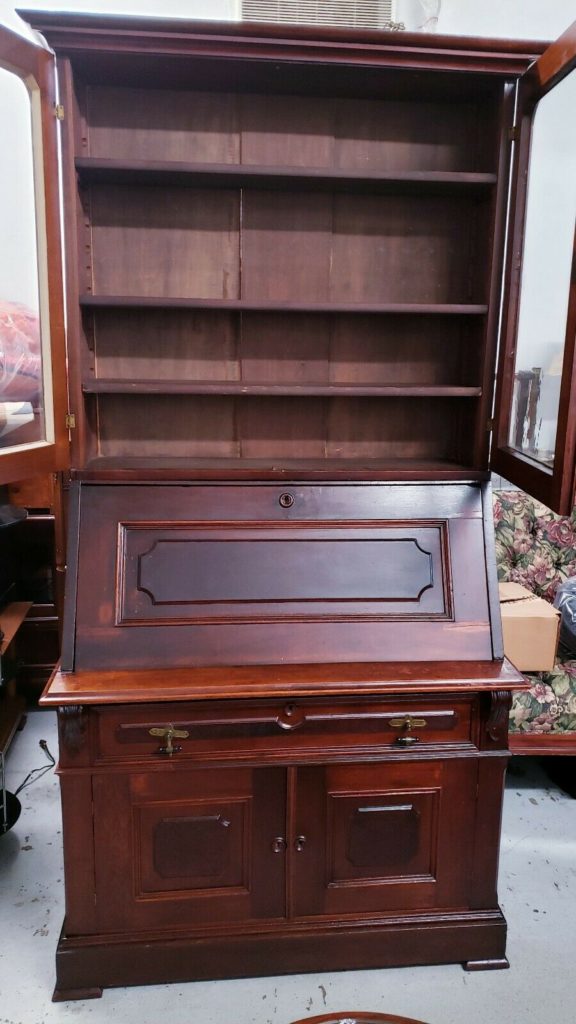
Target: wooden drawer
(281, 727)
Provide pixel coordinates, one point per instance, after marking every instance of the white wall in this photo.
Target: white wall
(513, 19)
(205, 9)
(18, 279)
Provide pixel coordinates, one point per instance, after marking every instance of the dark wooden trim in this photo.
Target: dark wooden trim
(487, 826)
(248, 40)
(73, 230)
(109, 961)
(491, 573)
(483, 434)
(69, 622)
(557, 61)
(542, 744)
(79, 869)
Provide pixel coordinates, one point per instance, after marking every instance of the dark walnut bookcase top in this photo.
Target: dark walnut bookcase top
(283, 260)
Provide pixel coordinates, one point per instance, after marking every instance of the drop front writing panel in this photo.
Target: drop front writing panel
(206, 575)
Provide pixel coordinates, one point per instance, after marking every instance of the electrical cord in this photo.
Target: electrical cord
(37, 773)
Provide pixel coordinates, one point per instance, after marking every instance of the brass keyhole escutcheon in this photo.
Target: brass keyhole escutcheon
(286, 499)
(169, 733)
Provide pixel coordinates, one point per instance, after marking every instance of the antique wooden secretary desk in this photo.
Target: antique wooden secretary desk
(282, 699)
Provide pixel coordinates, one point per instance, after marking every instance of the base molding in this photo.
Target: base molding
(86, 965)
(62, 996)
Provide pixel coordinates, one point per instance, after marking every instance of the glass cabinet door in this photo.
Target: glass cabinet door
(535, 440)
(33, 404)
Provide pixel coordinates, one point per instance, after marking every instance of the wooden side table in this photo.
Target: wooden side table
(12, 705)
(352, 1017)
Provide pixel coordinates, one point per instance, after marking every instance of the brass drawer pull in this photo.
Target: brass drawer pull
(169, 733)
(408, 723)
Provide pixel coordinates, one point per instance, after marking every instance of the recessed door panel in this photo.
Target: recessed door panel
(386, 835)
(383, 837)
(193, 848)
(193, 845)
(188, 573)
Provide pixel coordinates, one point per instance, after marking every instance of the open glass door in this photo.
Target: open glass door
(535, 437)
(33, 403)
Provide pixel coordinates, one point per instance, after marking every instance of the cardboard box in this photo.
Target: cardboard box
(531, 627)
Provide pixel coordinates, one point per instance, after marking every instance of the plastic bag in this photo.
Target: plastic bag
(565, 601)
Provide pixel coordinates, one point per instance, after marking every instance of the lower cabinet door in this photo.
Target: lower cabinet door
(383, 837)
(209, 848)
(182, 848)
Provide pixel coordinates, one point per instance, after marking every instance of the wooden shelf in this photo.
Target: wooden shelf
(11, 618)
(94, 170)
(245, 305)
(12, 704)
(170, 468)
(12, 710)
(105, 386)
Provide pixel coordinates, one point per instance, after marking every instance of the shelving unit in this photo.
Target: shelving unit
(283, 698)
(12, 704)
(329, 240)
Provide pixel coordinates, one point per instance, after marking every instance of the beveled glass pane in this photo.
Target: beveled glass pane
(24, 373)
(546, 271)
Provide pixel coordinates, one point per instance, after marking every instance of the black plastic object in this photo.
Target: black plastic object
(13, 808)
(565, 601)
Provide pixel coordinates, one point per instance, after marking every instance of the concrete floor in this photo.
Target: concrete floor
(537, 893)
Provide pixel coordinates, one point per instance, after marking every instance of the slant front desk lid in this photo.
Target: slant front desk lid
(183, 576)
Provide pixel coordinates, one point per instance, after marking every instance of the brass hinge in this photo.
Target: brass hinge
(70, 421)
(490, 425)
(59, 111)
(514, 133)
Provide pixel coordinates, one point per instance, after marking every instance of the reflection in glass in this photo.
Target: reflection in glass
(22, 419)
(546, 270)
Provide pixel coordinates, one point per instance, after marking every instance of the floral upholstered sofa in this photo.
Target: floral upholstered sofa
(537, 548)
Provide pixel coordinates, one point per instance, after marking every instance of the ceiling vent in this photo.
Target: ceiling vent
(378, 14)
